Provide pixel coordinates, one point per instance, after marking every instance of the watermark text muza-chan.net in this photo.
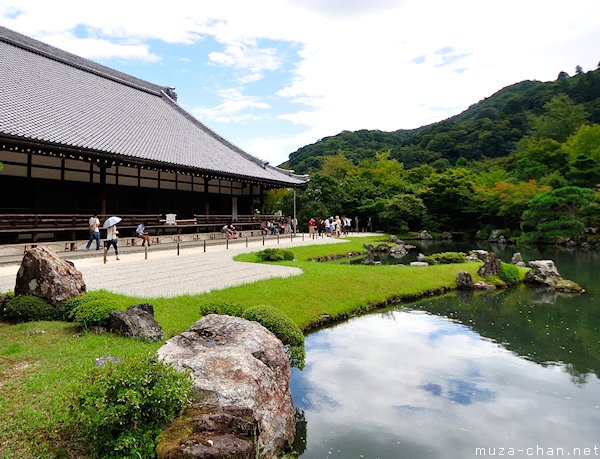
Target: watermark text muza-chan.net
(538, 451)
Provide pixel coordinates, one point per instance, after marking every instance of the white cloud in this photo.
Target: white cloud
(373, 65)
(235, 107)
(95, 48)
(252, 60)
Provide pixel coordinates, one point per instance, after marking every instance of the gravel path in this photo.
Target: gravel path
(165, 274)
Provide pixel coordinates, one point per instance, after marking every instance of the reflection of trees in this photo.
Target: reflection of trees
(299, 445)
(563, 332)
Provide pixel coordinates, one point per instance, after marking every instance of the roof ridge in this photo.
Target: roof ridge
(38, 47)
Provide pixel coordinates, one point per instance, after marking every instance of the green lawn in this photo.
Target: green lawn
(40, 362)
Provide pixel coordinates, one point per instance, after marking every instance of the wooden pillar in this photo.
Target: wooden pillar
(261, 198)
(103, 210)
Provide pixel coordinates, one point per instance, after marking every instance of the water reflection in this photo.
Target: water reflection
(516, 368)
(538, 324)
(409, 383)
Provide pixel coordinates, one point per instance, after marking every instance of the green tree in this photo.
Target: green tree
(586, 141)
(560, 119)
(584, 172)
(564, 212)
(450, 199)
(510, 200)
(337, 166)
(402, 212)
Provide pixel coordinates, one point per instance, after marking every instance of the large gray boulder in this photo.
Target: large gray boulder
(464, 281)
(545, 272)
(239, 364)
(44, 274)
(210, 432)
(517, 259)
(398, 249)
(542, 272)
(491, 265)
(136, 322)
(424, 235)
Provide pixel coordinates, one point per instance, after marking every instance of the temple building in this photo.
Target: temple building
(78, 138)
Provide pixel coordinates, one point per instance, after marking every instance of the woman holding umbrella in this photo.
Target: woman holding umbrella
(111, 234)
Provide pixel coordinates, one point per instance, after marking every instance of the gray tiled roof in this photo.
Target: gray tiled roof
(50, 96)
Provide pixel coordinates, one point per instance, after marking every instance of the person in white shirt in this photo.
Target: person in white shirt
(94, 228)
(141, 232)
(112, 239)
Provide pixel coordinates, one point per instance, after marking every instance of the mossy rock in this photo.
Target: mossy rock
(568, 286)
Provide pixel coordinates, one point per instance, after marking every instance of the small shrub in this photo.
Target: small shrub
(275, 321)
(275, 255)
(121, 407)
(94, 312)
(28, 308)
(444, 258)
(5, 298)
(509, 273)
(67, 306)
(228, 309)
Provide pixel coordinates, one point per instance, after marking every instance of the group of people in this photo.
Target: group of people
(330, 227)
(112, 233)
(284, 226)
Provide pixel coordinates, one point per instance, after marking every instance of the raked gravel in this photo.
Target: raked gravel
(166, 274)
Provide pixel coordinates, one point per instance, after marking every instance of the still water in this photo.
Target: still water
(507, 373)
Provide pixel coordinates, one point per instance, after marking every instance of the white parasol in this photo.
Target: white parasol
(111, 221)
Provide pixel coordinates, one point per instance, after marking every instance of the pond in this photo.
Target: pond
(461, 375)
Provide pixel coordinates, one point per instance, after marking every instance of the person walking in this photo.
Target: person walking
(112, 239)
(94, 229)
(311, 227)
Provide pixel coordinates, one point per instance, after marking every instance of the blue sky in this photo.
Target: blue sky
(274, 75)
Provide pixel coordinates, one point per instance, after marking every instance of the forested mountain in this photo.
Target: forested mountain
(490, 128)
(525, 161)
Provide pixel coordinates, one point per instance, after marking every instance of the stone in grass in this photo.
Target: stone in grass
(238, 363)
(136, 322)
(45, 275)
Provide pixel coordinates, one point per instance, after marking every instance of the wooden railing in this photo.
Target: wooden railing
(239, 220)
(75, 226)
(64, 222)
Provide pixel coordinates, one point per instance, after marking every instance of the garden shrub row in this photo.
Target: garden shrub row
(86, 310)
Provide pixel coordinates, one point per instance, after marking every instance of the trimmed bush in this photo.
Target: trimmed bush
(5, 298)
(277, 322)
(444, 258)
(121, 407)
(67, 306)
(509, 273)
(275, 255)
(227, 309)
(94, 312)
(29, 308)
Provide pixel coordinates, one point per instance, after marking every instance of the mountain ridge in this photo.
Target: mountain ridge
(488, 128)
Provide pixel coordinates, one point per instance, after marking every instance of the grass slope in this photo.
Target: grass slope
(40, 362)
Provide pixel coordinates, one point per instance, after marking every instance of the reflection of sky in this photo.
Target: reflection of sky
(409, 384)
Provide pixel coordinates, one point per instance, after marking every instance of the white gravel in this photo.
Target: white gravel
(165, 274)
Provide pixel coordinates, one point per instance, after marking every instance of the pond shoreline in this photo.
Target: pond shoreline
(327, 321)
